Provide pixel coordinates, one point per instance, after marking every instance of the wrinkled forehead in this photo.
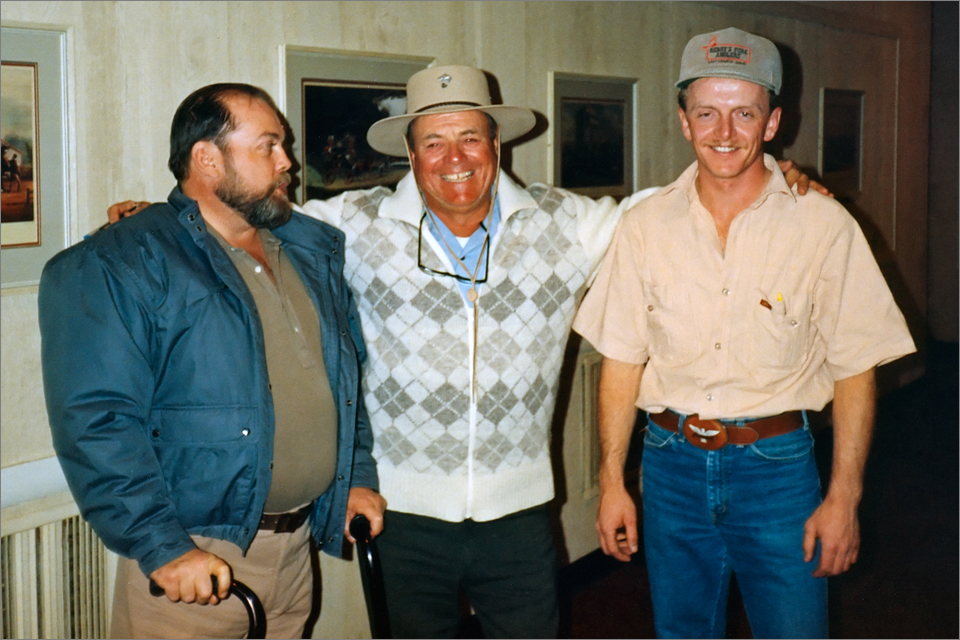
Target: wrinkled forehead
(711, 89)
(461, 122)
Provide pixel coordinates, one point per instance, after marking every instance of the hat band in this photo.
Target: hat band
(447, 104)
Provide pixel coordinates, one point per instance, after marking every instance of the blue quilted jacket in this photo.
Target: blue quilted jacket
(156, 382)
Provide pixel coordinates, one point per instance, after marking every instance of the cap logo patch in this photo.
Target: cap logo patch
(444, 81)
(735, 53)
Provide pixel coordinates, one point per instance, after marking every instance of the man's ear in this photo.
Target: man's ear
(207, 160)
(773, 123)
(684, 124)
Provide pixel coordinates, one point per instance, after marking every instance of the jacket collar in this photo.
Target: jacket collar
(405, 203)
(300, 230)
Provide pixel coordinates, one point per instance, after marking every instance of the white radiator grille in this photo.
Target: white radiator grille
(53, 582)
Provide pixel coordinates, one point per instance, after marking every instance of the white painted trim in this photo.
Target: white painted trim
(31, 481)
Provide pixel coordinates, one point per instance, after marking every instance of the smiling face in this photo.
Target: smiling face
(255, 165)
(455, 163)
(728, 120)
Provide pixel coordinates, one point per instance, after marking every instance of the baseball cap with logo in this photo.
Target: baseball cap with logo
(731, 53)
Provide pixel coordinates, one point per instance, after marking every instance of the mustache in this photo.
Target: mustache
(283, 181)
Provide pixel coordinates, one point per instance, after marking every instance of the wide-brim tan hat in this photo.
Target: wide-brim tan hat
(447, 90)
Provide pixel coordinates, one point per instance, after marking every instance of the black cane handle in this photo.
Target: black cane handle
(249, 599)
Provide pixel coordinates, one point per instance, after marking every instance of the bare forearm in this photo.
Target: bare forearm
(835, 522)
(616, 513)
(619, 388)
(854, 411)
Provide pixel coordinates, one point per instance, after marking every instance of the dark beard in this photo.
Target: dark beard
(264, 212)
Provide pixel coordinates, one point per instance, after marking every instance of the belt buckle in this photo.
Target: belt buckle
(708, 435)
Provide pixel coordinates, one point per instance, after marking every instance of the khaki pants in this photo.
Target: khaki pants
(277, 568)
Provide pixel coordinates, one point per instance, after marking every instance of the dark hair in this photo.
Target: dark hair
(491, 128)
(204, 115)
(772, 98)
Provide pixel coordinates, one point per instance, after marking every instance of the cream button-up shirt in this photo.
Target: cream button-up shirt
(794, 303)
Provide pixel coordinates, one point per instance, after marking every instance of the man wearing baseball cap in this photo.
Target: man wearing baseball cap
(725, 308)
(467, 285)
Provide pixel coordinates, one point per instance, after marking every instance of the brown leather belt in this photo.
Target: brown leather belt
(711, 435)
(285, 522)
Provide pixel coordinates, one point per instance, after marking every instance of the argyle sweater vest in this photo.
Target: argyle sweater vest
(438, 453)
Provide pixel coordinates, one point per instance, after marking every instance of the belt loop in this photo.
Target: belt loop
(681, 418)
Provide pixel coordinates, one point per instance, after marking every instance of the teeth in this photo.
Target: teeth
(724, 149)
(458, 177)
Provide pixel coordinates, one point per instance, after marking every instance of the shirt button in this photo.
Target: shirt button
(258, 269)
(245, 432)
(349, 403)
(339, 477)
(649, 307)
(710, 397)
(793, 323)
(716, 346)
(156, 433)
(726, 292)
(330, 539)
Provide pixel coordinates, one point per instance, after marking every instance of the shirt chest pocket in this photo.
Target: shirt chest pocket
(671, 322)
(782, 330)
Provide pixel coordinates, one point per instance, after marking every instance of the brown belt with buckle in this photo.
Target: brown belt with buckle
(711, 435)
(285, 522)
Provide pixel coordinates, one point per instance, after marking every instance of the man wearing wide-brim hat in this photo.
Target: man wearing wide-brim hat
(467, 287)
(468, 284)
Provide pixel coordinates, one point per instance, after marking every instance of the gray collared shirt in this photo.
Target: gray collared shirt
(305, 414)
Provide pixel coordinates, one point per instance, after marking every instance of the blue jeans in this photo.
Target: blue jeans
(739, 509)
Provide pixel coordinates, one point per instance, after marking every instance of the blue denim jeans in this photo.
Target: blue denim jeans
(739, 509)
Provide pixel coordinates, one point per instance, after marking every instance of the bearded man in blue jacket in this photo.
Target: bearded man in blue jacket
(202, 375)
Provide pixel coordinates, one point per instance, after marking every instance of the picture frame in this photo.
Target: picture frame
(19, 206)
(840, 141)
(592, 146)
(330, 99)
(30, 239)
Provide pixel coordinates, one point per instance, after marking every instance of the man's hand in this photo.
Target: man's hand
(617, 523)
(369, 503)
(794, 176)
(187, 578)
(836, 524)
(121, 210)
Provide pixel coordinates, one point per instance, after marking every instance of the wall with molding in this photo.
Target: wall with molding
(131, 63)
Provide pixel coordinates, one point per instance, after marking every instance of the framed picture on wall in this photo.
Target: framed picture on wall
(593, 140)
(33, 202)
(19, 210)
(330, 100)
(840, 146)
(335, 154)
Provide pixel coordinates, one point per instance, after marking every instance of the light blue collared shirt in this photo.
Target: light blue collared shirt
(469, 253)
